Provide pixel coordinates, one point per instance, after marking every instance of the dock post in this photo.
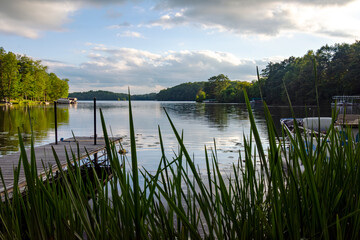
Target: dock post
(96, 159)
(55, 112)
(94, 120)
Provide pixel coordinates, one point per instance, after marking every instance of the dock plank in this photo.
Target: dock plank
(44, 155)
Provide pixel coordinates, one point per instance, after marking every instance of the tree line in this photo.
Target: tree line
(22, 78)
(332, 70)
(218, 88)
(107, 95)
(221, 89)
(181, 92)
(335, 70)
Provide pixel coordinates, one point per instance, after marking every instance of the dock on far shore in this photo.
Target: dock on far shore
(44, 155)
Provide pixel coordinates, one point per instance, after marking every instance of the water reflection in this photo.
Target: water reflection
(202, 123)
(16, 117)
(215, 115)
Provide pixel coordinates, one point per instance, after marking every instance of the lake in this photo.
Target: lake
(201, 124)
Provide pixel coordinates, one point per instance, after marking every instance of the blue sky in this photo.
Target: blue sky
(154, 44)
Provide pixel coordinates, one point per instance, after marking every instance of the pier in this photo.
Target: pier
(44, 157)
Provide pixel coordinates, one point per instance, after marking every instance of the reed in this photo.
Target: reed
(255, 201)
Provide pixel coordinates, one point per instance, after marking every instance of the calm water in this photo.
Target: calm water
(201, 123)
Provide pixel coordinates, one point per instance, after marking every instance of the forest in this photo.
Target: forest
(333, 70)
(107, 95)
(181, 92)
(219, 88)
(337, 73)
(25, 79)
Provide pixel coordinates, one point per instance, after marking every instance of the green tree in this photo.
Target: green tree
(40, 79)
(181, 92)
(23, 78)
(10, 76)
(26, 71)
(353, 73)
(200, 96)
(215, 86)
(56, 88)
(2, 84)
(274, 74)
(239, 87)
(64, 88)
(227, 95)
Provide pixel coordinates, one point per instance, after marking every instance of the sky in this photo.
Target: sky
(149, 45)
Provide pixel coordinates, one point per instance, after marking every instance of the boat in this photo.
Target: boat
(308, 124)
(348, 110)
(315, 126)
(314, 130)
(67, 100)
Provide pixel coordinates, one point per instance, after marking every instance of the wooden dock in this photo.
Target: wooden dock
(44, 155)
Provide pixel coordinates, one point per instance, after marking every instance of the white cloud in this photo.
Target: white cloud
(130, 34)
(115, 69)
(337, 18)
(30, 18)
(336, 21)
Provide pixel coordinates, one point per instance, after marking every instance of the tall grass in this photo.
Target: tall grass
(256, 201)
